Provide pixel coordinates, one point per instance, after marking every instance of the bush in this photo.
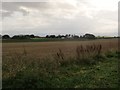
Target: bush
(5, 37)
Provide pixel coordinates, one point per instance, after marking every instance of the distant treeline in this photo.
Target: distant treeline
(67, 36)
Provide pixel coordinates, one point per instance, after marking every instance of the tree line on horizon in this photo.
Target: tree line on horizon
(67, 36)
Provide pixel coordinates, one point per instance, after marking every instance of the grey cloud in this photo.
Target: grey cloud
(15, 6)
(12, 7)
(110, 15)
(53, 14)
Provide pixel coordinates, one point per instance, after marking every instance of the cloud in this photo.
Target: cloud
(60, 17)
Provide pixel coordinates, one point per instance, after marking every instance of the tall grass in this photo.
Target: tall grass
(85, 53)
(88, 51)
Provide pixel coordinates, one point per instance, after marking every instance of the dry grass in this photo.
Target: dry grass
(17, 55)
(46, 58)
(42, 49)
(85, 52)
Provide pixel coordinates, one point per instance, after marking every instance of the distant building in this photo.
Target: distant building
(62, 37)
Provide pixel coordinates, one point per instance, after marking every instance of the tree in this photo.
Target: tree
(47, 36)
(21, 37)
(52, 36)
(68, 36)
(81, 36)
(89, 36)
(5, 37)
(59, 36)
(32, 36)
(16, 37)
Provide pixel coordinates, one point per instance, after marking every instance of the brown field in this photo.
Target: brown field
(42, 49)
(62, 62)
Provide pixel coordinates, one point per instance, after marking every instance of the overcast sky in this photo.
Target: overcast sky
(99, 17)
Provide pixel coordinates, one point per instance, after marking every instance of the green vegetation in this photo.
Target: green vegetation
(40, 40)
(95, 70)
(31, 40)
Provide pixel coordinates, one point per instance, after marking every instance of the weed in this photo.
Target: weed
(87, 54)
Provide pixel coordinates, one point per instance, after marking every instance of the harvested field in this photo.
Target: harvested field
(41, 49)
